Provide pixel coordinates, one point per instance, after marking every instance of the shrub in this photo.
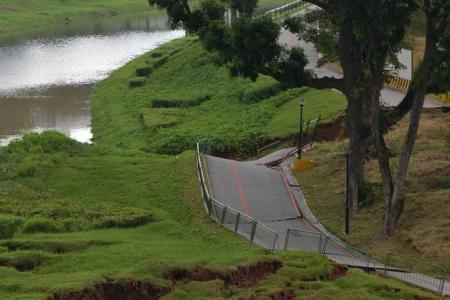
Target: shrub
(9, 225)
(137, 82)
(127, 217)
(144, 71)
(3, 249)
(156, 54)
(40, 224)
(23, 260)
(257, 94)
(46, 142)
(160, 62)
(163, 103)
(27, 167)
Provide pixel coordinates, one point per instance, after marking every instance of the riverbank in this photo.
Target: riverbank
(21, 18)
(183, 96)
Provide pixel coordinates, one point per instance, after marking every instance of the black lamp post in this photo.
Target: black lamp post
(347, 200)
(300, 138)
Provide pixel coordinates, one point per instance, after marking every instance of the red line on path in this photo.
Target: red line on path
(237, 181)
(291, 195)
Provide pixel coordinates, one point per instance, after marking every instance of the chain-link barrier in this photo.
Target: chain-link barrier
(415, 272)
(337, 251)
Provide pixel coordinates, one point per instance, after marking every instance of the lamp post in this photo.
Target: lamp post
(347, 197)
(300, 138)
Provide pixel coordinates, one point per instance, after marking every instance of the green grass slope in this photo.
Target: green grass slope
(424, 227)
(21, 16)
(186, 97)
(110, 221)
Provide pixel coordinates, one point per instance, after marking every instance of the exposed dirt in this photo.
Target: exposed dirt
(111, 290)
(338, 271)
(286, 294)
(242, 276)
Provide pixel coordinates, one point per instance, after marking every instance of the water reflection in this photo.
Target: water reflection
(45, 83)
(63, 108)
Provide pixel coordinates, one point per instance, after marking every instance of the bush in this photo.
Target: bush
(163, 103)
(160, 62)
(46, 142)
(27, 167)
(3, 249)
(23, 260)
(257, 94)
(127, 217)
(156, 54)
(137, 82)
(144, 71)
(40, 224)
(9, 225)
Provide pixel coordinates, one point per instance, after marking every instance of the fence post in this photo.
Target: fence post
(386, 263)
(324, 246)
(236, 225)
(286, 240)
(224, 213)
(319, 250)
(252, 233)
(275, 242)
(441, 286)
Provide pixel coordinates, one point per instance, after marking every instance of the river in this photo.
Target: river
(46, 80)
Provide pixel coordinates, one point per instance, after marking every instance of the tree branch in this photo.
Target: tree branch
(327, 83)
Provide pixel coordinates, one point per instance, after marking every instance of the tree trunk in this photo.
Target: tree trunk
(359, 136)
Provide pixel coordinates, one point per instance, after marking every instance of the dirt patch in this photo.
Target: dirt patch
(111, 290)
(242, 276)
(338, 271)
(286, 294)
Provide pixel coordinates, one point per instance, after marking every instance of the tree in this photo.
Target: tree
(433, 75)
(364, 36)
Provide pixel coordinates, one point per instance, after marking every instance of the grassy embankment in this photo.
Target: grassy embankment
(424, 226)
(187, 97)
(21, 17)
(111, 219)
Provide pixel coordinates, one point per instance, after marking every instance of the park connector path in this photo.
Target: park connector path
(266, 190)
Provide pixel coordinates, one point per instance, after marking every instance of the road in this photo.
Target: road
(389, 97)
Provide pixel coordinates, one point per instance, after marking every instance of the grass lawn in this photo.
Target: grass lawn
(186, 97)
(424, 228)
(19, 17)
(74, 216)
(22, 16)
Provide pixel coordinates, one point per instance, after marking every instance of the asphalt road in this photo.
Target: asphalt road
(274, 198)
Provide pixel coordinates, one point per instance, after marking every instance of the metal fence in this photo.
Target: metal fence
(338, 251)
(284, 10)
(396, 266)
(232, 219)
(416, 272)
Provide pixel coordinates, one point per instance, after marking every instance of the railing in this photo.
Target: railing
(415, 272)
(338, 251)
(406, 269)
(283, 10)
(240, 223)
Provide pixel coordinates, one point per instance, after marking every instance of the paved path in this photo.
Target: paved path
(272, 196)
(389, 97)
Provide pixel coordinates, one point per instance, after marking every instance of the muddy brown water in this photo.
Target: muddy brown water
(46, 80)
